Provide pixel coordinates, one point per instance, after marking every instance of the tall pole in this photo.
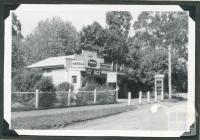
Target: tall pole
(116, 85)
(169, 71)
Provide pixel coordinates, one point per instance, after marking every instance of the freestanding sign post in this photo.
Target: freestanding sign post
(159, 86)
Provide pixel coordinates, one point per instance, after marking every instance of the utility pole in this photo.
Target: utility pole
(169, 71)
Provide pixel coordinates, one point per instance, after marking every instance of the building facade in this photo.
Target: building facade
(74, 68)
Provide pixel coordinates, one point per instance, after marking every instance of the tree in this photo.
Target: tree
(52, 37)
(119, 22)
(92, 37)
(154, 32)
(118, 30)
(160, 29)
(16, 26)
(17, 51)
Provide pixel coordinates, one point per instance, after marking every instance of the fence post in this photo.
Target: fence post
(95, 95)
(36, 98)
(140, 97)
(148, 97)
(68, 97)
(129, 98)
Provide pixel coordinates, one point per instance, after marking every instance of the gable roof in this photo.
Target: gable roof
(51, 62)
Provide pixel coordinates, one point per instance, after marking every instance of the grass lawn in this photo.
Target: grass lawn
(63, 119)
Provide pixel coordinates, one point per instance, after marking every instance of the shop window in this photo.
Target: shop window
(74, 79)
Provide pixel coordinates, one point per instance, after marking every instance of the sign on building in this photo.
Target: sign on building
(111, 77)
(106, 67)
(78, 63)
(92, 63)
(95, 72)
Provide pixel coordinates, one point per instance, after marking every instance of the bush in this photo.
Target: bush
(48, 97)
(26, 80)
(105, 96)
(84, 98)
(93, 86)
(23, 99)
(65, 86)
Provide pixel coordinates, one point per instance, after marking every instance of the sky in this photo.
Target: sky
(79, 15)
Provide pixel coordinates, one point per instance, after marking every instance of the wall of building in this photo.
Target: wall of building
(58, 75)
(77, 73)
(61, 75)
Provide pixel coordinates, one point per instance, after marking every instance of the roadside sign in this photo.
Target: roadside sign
(111, 77)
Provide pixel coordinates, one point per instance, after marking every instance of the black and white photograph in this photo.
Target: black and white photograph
(109, 70)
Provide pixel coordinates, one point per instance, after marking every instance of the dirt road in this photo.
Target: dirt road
(146, 117)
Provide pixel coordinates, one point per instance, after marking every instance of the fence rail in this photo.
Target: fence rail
(53, 99)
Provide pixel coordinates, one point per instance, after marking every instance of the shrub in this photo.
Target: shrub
(23, 99)
(48, 97)
(65, 86)
(84, 98)
(26, 80)
(61, 98)
(104, 96)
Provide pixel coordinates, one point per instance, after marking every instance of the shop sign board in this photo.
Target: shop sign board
(92, 63)
(96, 72)
(78, 63)
(111, 77)
(106, 67)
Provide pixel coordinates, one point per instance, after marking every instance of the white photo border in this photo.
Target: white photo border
(123, 133)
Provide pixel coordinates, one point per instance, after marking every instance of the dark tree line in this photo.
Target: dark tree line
(145, 51)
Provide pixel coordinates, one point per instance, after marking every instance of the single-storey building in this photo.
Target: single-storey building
(74, 68)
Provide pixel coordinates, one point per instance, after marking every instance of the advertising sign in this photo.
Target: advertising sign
(106, 67)
(91, 71)
(92, 63)
(111, 77)
(78, 63)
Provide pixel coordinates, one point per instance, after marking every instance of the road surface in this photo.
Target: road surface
(146, 117)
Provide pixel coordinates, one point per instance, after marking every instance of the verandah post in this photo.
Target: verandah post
(36, 98)
(68, 97)
(95, 95)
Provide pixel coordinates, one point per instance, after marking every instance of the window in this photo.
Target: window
(74, 79)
